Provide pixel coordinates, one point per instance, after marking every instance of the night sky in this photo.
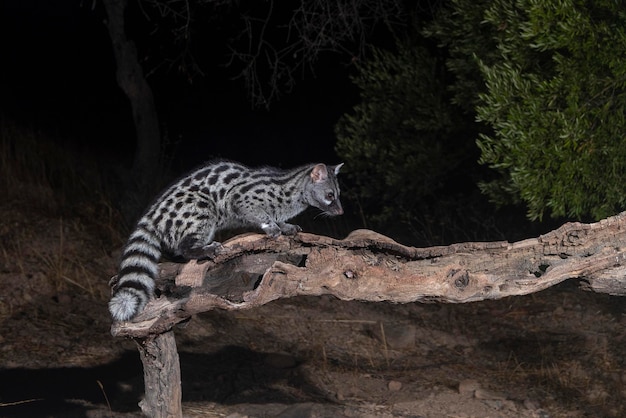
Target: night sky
(58, 77)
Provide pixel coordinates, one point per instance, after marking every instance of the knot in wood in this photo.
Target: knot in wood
(460, 277)
(574, 237)
(350, 274)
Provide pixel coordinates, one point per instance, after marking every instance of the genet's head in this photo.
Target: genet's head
(323, 192)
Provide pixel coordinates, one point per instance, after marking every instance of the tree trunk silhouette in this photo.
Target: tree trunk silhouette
(130, 77)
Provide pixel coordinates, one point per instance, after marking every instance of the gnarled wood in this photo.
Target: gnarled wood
(253, 270)
(161, 370)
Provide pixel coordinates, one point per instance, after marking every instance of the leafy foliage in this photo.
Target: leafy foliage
(538, 86)
(547, 80)
(399, 143)
(459, 30)
(556, 101)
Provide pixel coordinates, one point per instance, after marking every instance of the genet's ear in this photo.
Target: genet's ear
(319, 173)
(337, 168)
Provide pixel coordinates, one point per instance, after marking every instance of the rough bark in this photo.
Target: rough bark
(254, 270)
(161, 372)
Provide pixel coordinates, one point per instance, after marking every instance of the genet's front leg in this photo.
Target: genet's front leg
(271, 228)
(274, 229)
(289, 229)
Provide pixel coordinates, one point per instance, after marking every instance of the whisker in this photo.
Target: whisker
(322, 214)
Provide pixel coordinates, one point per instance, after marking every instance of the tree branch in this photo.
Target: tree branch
(271, 61)
(254, 270)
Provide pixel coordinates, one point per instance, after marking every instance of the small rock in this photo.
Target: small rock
(486, 394)
(340, 396)
(348, 392)
(530, 405)
(125, 387)
(394, 385)
(509, 405)
(493, 403)
(468, 387)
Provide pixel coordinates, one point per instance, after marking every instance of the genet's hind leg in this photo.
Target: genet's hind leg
(193, 248)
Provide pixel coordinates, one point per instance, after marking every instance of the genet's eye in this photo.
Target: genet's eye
(330, 196)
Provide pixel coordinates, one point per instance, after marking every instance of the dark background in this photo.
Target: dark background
(58, 79)
(58, 76)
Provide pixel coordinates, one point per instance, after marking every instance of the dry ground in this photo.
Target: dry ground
(558, 353)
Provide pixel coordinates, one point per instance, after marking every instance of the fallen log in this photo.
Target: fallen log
(252, 270)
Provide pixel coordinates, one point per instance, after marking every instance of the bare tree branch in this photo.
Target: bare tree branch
(277, 43)
(254, 270)
(367, 266)
(179, 16)
(272, 62)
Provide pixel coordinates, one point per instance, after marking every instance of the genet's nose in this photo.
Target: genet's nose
(338, 210)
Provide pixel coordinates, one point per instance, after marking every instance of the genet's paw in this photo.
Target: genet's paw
(271, 229)
(290, 229)
(212, 250)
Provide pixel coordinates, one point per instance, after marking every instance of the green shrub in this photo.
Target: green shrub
(398, 143)
(556, 102)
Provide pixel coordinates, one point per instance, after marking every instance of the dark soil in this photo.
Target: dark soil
(557, 353)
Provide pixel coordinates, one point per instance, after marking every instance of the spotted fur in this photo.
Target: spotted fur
(222, 194)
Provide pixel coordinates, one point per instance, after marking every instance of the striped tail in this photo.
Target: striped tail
(138, 271)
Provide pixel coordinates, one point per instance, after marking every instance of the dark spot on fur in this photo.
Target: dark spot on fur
(230, 177)
(221, 168)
